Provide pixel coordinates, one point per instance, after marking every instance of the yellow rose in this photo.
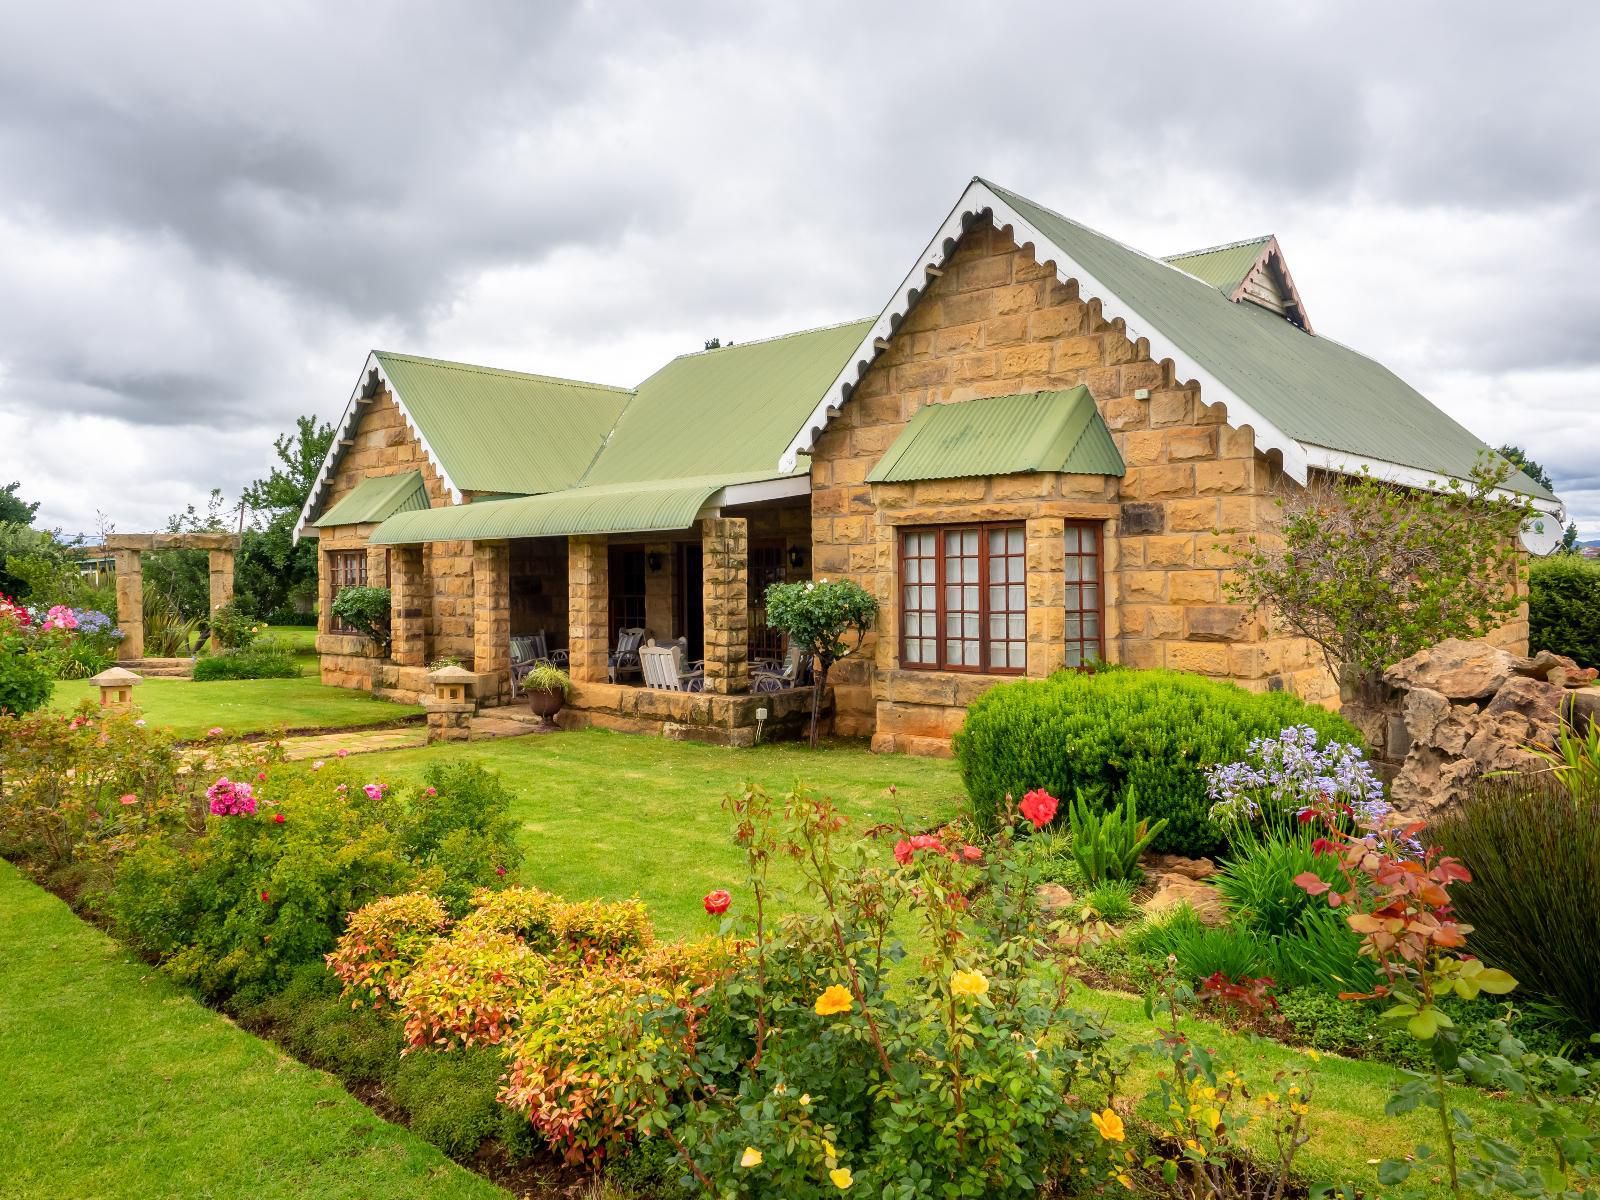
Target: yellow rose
(968, 983)
(1109, 1125)
(842, 1179)
(805, 1099)
(751, 1157)
(835, 999)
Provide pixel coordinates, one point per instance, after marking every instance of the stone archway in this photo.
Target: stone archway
(127, 547)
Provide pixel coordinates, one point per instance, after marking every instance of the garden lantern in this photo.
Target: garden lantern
(116, 686)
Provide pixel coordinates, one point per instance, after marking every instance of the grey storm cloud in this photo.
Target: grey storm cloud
(208, 213)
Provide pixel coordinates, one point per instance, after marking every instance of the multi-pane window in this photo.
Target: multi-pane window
(626, 574)
(346, 568)
(1084, 600)
(964, 599)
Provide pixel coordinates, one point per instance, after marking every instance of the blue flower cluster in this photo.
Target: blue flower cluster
(1291, 772)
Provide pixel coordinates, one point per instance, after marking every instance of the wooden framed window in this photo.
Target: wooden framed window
(626, 575)
(346, 568)
(964, 599)
(1085, 594)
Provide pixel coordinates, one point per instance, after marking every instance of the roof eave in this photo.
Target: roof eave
(366, 390)
(979, 198)
(1340, 462)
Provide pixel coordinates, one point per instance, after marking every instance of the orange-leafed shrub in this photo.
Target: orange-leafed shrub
(381, 944)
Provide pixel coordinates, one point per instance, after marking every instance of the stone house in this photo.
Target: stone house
(1044, 451)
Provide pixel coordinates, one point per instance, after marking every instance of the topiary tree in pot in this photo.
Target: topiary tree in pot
(818, 616)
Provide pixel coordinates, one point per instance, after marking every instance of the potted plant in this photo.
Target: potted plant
(547, 689)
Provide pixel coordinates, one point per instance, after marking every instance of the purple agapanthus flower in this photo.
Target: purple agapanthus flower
(1292, 772)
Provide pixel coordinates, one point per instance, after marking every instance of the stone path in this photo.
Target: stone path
(494, 723)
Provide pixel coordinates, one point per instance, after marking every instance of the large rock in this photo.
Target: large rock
(1456, 669)
(1430, 779)
(1174, 889)
(1431, 720)
(1177, 864)
(1533, 698)
(1557, 669)
(1582, 708)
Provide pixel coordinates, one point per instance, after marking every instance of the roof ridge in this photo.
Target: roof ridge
(481, 369)
(1249, 241)
(776, 337)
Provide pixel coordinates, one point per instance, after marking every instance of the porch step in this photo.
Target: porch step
(161, 668)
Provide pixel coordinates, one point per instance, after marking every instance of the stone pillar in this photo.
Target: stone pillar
(221, 564)
(491, 617)
(588, 599)
(726, 544)
(324, 590)
(130, 606)
(408, 608)
(1045, 552)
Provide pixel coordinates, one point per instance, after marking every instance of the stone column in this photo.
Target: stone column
(1046, 597)
(726, 544)
(491, 617)
(130, 606)
(408, 612)
(221, 564)
(588, 599)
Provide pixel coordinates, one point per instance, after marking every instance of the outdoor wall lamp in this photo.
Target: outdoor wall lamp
(797, 556)
(653, 560)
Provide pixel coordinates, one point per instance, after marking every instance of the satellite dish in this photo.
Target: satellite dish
(1542, 534)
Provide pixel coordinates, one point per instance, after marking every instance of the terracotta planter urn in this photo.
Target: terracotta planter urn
(547, 702)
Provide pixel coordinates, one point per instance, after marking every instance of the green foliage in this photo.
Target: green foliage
(1532, 842)
(237, 909)
(1112, 900)
(262, 659)
(1564, 607)
(13, 509)
(366, 610)
(1257, 880)
(232, 627)
(1202, 950)
(1320, 951)
(1107, 843)
(458, 825)
(180, 580)
(1048, 855)
(1150, 730)
(1373, 573)
(817, 616)
(26, 677)
(545, 677)
(272, 572)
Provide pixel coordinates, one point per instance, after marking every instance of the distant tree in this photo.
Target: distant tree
(13, 509)
(1518, 458)
(300, 456)
(272, 571)
(711, 344)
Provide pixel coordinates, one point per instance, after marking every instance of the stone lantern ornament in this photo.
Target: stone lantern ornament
(452, 706)
(116, 686)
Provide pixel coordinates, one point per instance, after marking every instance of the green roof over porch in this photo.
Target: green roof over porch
(377, 497)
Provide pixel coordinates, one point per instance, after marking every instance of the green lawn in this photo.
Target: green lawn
(614, 815)
(244, 706)
(117, 1084)
(302, 639)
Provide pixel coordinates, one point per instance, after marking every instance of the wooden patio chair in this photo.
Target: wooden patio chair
(624, 660)
(789, 674)
(664, 668)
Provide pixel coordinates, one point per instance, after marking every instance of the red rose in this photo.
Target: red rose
(717, 902)
(902, 852)
(971, 853)
(500, 871)
(1039, 807)
(277, 818)
(264, 897)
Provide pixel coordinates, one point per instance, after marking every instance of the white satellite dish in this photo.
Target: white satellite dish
(1542, 534)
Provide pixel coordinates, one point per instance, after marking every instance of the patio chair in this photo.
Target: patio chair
(624, 660)
(788, 674)
(664, 668)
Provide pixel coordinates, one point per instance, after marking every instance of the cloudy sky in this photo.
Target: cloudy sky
(209, 213)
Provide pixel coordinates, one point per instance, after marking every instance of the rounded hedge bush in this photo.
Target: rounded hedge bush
(1152, 731)
(1564, 607)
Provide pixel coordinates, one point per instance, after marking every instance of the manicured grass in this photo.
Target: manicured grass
(119, 1084)
(301, 639)
(245, 705)
(614, 815)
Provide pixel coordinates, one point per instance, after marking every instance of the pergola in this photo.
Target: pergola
(130, 577)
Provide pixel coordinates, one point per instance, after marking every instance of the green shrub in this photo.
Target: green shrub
(26, 677)
(366, 610)
(1203, 950)
(1106, 843)
(1320, 951)
(264, 659)
(1048, 854)
(450, 1098)
(233, 628)
(1532, 843)
(1257, 881)
(1113, 899)
(458, 822)
(239, 908)
(1564, 607)
(1150, 730)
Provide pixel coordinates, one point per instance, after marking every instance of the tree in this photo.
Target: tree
(13, 509)
(1517, 457)
(273, 571)
(1372, 573)
(817, 616)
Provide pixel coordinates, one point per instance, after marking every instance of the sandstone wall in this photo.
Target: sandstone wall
(995, 323)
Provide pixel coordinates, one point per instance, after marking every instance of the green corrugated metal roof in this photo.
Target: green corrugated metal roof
(727, 410)
(377, 497)
(633, 507)
(1313, 389)
(504, 431)
(1223, 267)
(1003, 435)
